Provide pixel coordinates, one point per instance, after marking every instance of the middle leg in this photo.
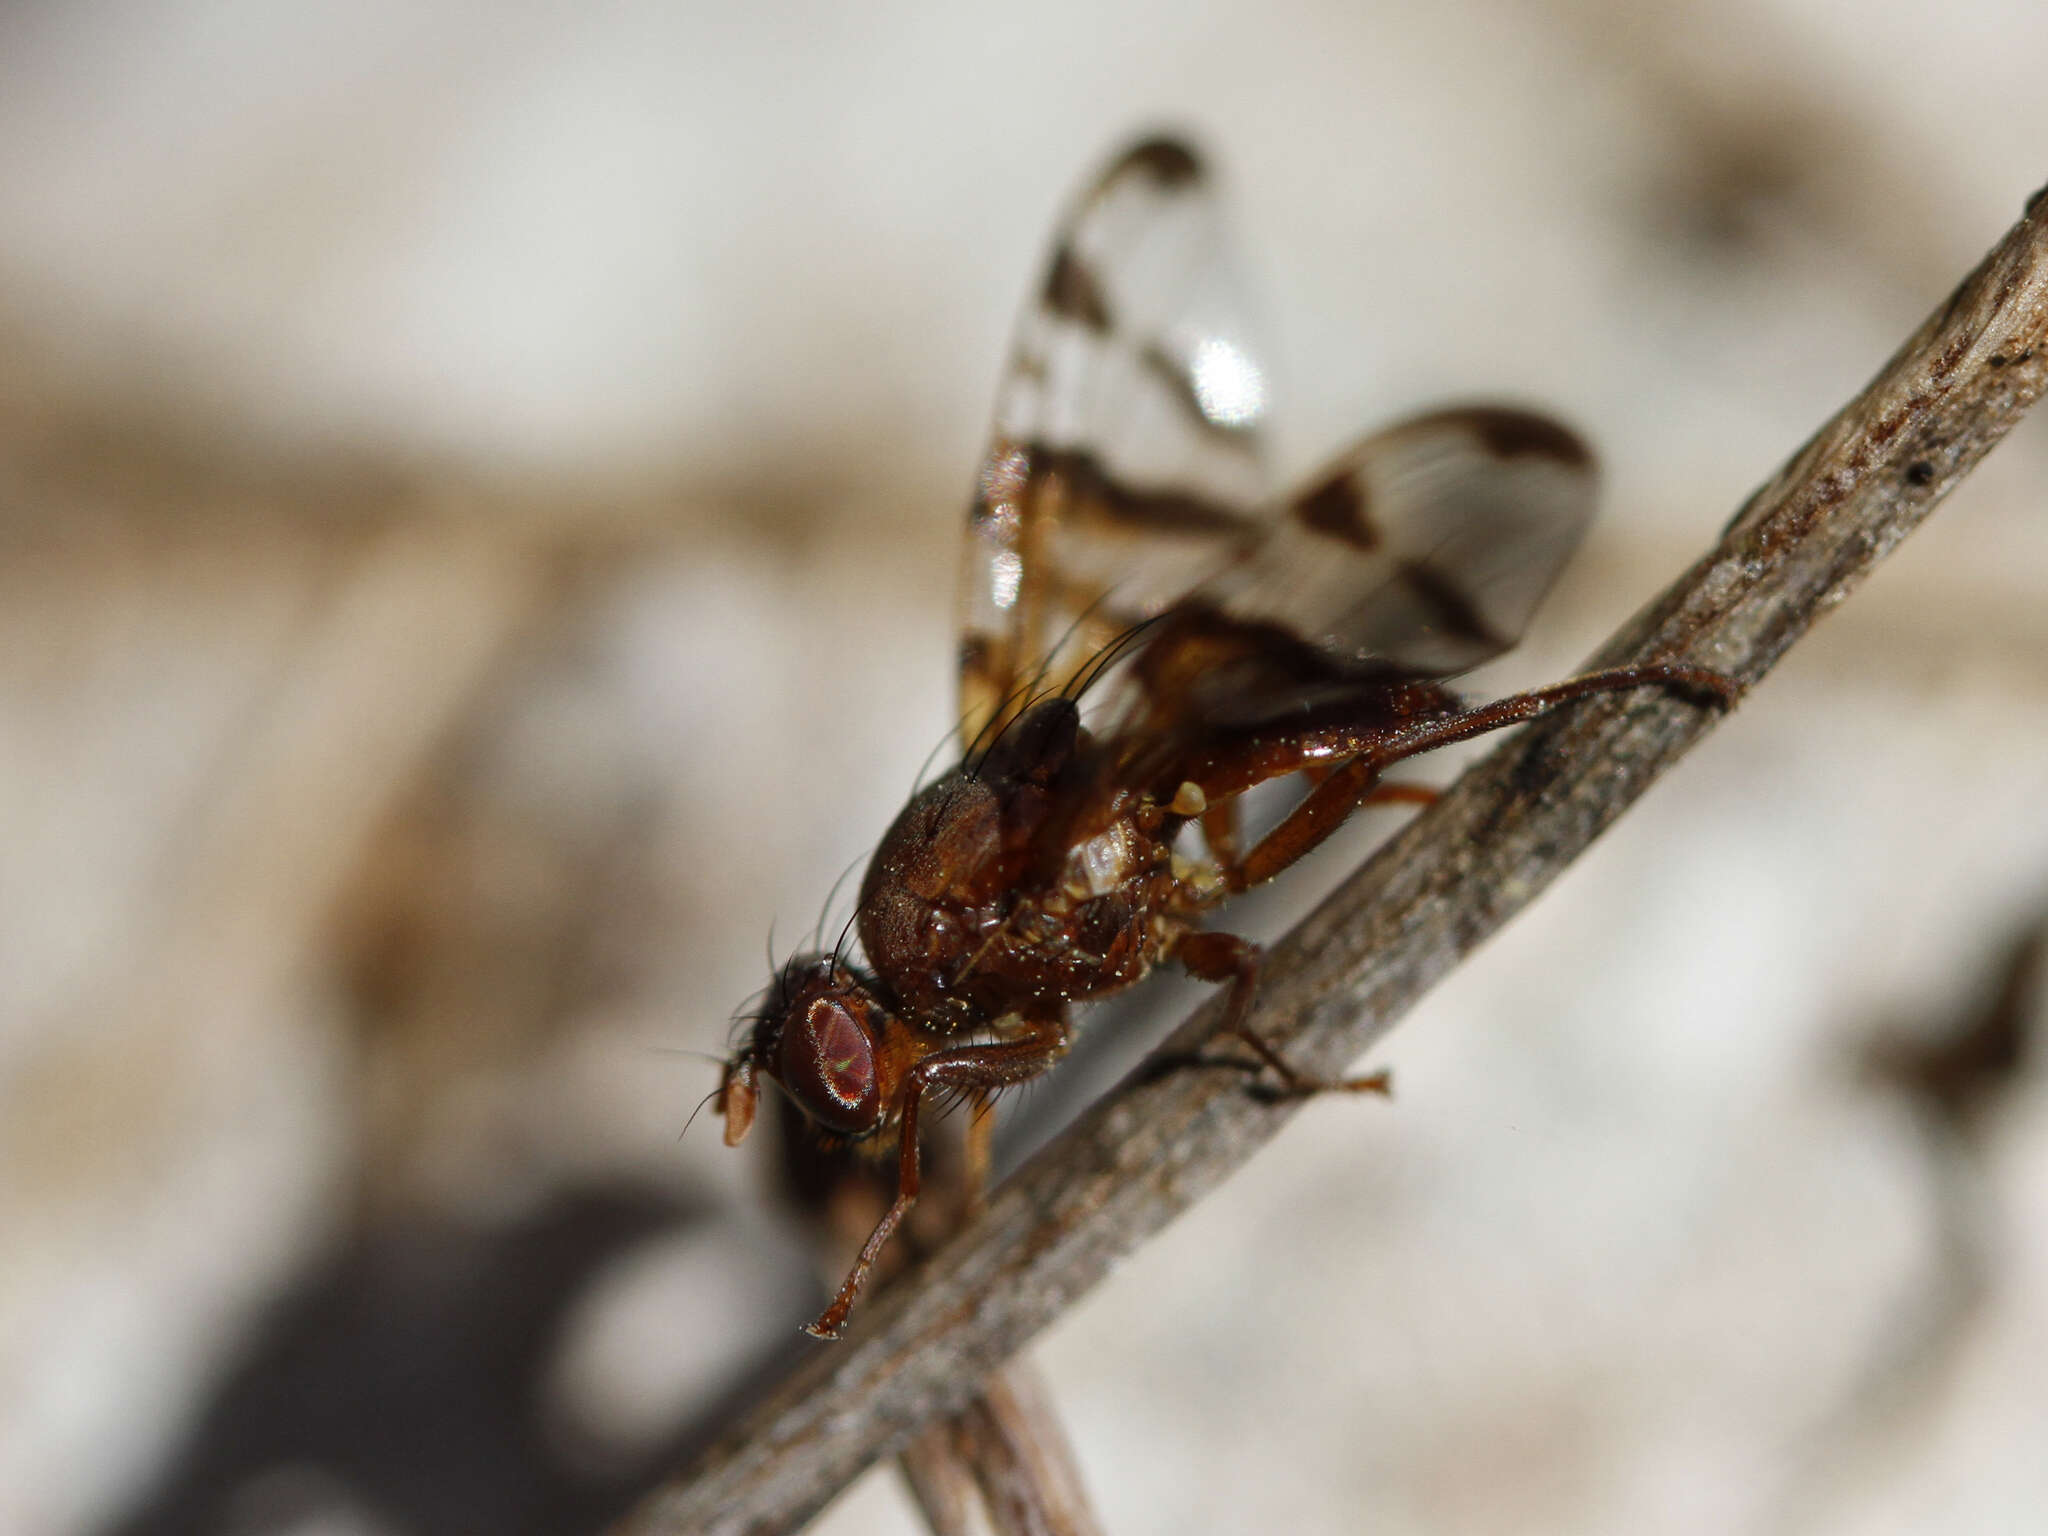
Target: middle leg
(1226, 958)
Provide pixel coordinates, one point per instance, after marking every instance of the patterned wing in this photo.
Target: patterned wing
(1126, 462)
(1428, 546)
(1421, 552)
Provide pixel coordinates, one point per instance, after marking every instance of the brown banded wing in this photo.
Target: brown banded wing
(1126, 463)
(1426, 546)
(1422, 551)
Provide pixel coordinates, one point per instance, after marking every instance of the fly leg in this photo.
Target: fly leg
(1421, 796)
(1224, 957)
(977, 1069)
(981, 1138)
(1222, 823)
(1379, 746)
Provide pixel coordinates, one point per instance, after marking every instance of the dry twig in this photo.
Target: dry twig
(1344, 975)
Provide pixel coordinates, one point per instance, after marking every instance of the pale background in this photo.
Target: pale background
(477, 492)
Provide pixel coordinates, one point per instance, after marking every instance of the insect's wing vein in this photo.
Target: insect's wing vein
(1126, 462)
(1422, 551)
(1428, 545)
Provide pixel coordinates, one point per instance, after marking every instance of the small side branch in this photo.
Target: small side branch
(1341, 979)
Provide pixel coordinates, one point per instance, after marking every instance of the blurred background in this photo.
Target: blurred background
(478, 490)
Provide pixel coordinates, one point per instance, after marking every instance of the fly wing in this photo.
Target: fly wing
(1428, 546)
(1126, 461)
(1421, 552)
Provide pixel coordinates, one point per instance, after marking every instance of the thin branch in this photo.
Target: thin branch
(1004, 1464)
(1339, 981)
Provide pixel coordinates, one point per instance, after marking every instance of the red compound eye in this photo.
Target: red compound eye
(828, 1066)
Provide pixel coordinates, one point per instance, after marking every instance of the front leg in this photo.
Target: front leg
(1224, 957)
(979, 1069)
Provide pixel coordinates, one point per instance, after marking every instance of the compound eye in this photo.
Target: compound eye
(828, 1066)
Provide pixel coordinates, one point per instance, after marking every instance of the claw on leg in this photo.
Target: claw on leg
(1224, 957)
